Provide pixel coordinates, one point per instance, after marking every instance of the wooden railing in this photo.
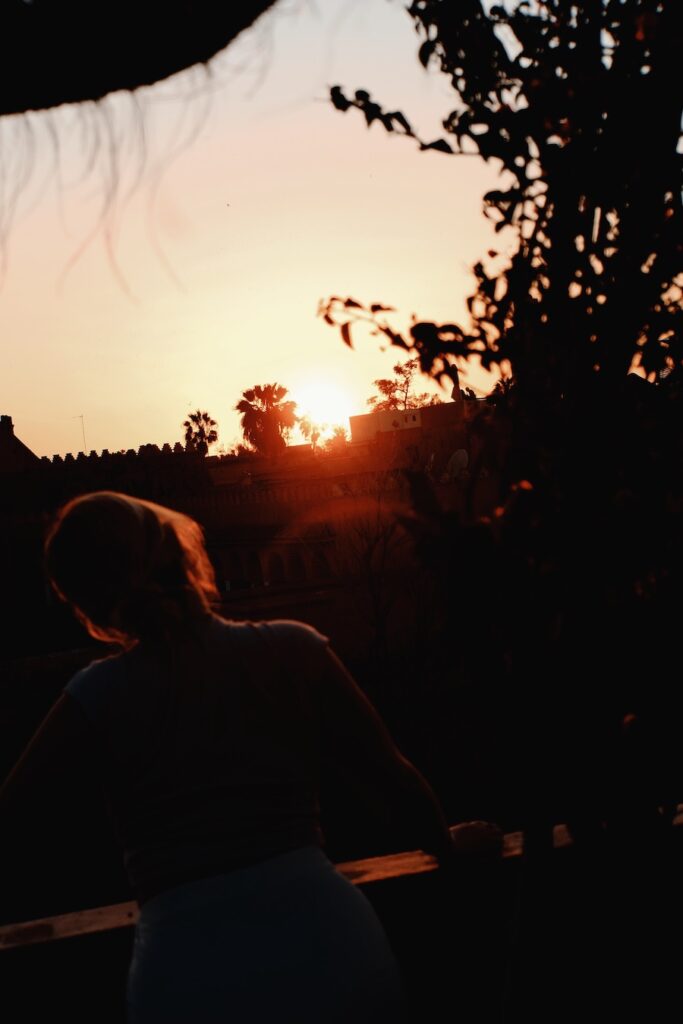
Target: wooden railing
(359, 872)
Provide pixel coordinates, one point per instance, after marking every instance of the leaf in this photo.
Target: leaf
(338, 98)
(440, 145)
(352, 304)
(398, 117)
(377, 307)
(426, 51)
(346, 334)
(396, 339)
(372, 112)
(497, 196)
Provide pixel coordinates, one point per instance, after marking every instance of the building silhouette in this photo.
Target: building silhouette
(288, 536)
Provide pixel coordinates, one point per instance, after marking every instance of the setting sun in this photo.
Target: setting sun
(324, 403)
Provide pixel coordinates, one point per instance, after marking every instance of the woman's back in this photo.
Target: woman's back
(210, 748)
(209, 737)
(210, 751)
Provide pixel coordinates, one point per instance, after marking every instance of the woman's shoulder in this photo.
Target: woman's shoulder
(294, 631)
(92, 685)
(100, 668)
(289, 632)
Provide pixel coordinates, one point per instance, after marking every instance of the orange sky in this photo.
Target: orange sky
(228, 240)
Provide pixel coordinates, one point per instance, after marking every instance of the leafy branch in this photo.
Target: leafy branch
(392, 121)
(575, 106)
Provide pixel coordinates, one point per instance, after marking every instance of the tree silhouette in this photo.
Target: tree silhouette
(337, 443)
(574, 104)
(200, 432)
(309, 430)
(581, 550)
(266, 419)
(397, 392)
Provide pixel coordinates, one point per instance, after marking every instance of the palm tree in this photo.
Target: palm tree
(265, 417)
(200, 432)
(309, 430)
(336, 444)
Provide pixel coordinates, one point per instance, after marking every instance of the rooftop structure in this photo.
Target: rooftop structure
(14, 454)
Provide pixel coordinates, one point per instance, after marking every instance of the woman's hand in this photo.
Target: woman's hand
(472, 838)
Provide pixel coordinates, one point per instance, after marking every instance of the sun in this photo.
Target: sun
(325, 404)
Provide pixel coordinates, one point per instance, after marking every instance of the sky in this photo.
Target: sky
(168, 249)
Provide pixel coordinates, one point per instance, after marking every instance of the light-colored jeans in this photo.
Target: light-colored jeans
(286, 941)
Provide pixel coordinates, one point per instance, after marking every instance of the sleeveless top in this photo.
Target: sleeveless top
(209, 748)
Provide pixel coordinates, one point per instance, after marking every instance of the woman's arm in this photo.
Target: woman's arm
(48, 806)
(357, 742)
(61, 748)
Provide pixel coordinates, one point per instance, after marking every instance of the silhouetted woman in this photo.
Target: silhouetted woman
(210, 736)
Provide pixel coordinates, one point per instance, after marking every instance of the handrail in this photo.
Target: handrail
(359, 872)
(124, 915)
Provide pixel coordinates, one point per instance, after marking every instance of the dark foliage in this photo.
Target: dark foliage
(336, 443)
(575, 577)
(200, 432)
(398, 392)
(266, 418)
(575, 105)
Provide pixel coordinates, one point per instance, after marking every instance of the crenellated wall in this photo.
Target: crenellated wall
(145, 451)
(277, 530)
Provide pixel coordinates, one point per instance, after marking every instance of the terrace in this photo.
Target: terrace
(551, 927)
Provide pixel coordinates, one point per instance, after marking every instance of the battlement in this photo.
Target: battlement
(145, 451)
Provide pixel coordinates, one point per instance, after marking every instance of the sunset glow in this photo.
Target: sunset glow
(325, 404)
(248, 205)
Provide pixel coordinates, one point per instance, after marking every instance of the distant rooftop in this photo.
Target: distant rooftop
(443, 416)
(14, 454)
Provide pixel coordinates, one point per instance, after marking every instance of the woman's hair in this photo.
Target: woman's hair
(131, 570)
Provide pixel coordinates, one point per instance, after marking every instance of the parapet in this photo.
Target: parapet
(143, 453)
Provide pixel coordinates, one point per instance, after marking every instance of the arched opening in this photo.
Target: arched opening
(254, 571)
(321, 565)
(233, 570)
(297, 568)
(276, 569)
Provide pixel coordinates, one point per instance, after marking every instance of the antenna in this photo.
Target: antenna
(81, 417)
